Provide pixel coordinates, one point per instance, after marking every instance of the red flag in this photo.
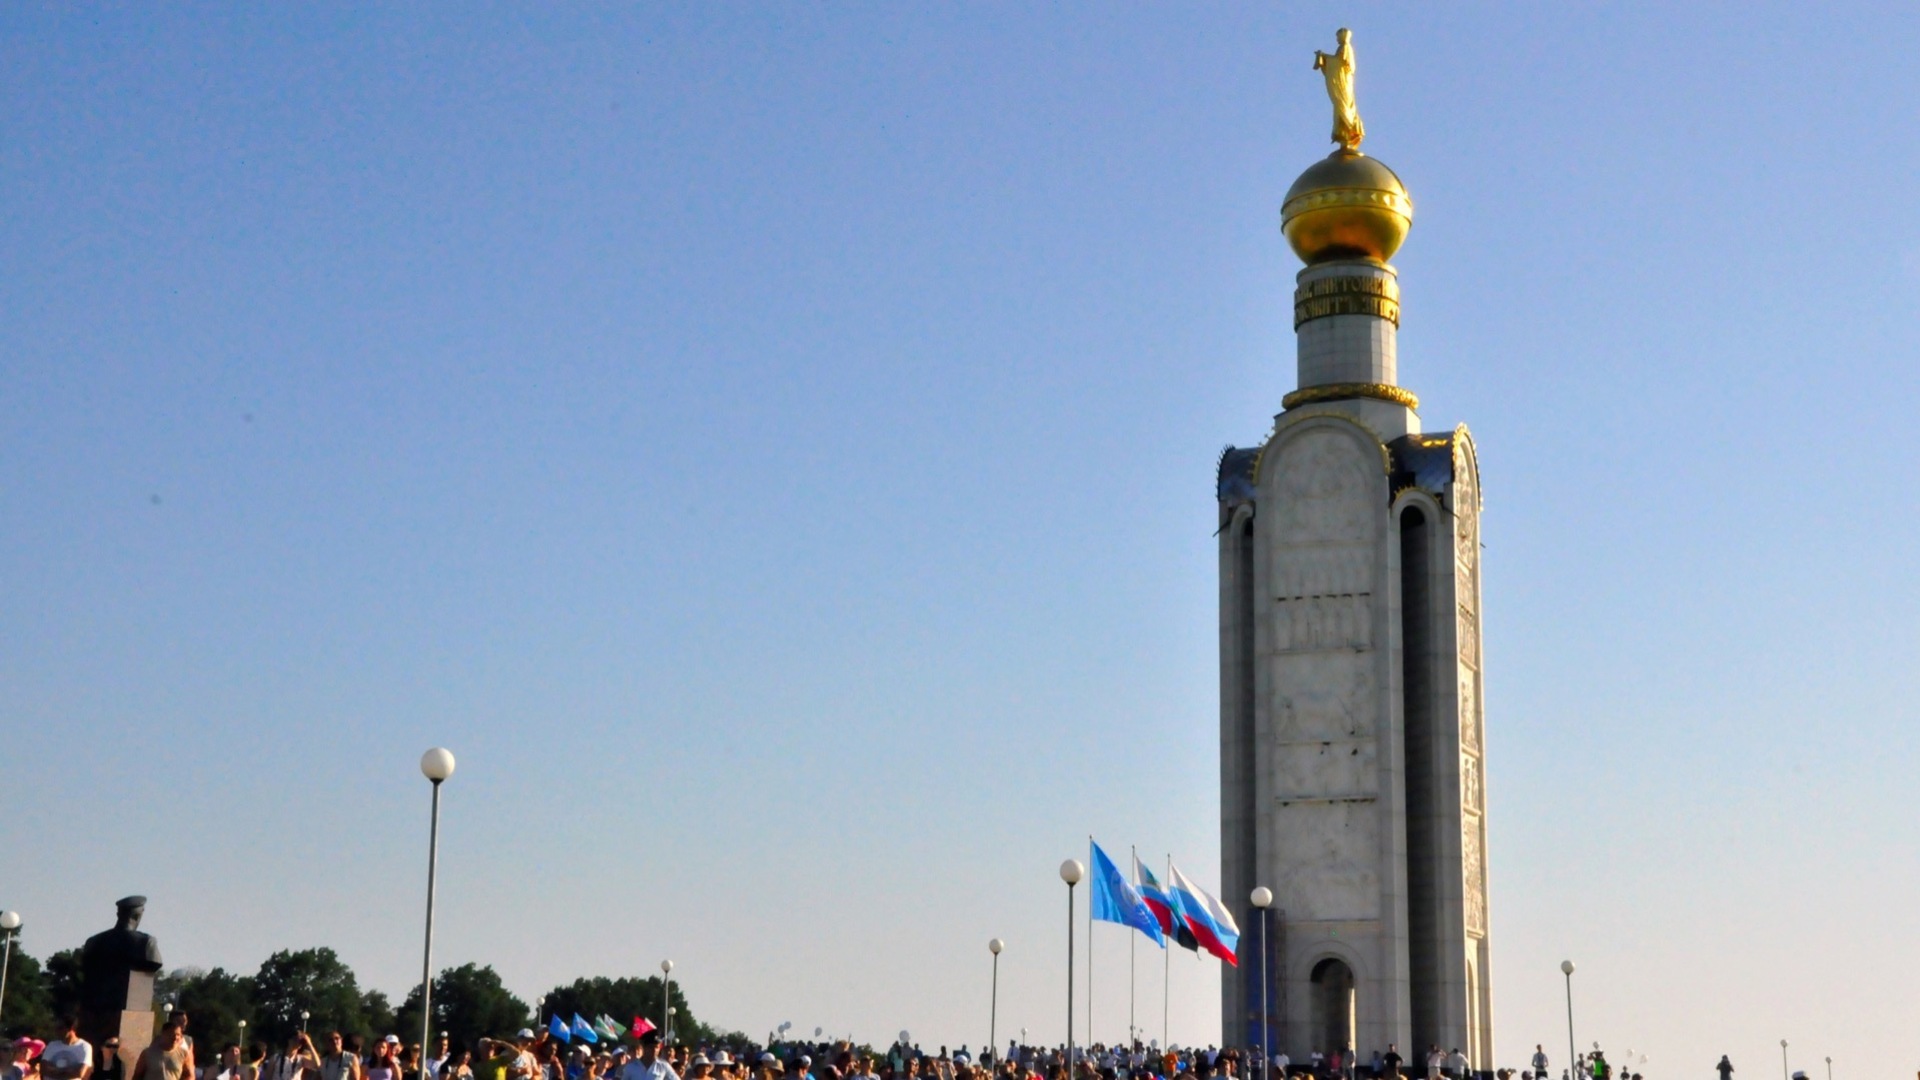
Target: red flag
(641, 1025)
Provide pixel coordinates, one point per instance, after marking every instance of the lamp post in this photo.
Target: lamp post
(304, 1014)
(540, 1012)
(436, 765)
(993, 1006)
(241, 1072)
(1263, 899)
(1071, 872)
(1566, 968)
(1829, 1069)
(666, 1001)
(1783, 1059)
(9, 929)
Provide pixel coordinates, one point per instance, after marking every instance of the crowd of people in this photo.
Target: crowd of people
(538, 1055)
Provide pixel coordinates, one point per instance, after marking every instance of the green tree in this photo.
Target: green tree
(63, 982)
(468, 1002)
(215, 1002)
(379, 1012)
(29, 1003)
(623, 999)
(314, 980)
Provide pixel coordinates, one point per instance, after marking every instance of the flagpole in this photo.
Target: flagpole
(1090, 862)
(1132, 964)
(1166, 970)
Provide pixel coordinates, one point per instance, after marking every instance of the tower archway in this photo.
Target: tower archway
(1331, 1017)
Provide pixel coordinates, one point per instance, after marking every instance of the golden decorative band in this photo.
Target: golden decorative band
(1379, 297)
(1328, 198)
(1307, 395)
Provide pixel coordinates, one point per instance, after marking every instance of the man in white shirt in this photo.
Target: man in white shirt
(69, 1057)
(438, 1059)
(1457, 1064)
(648, 1065)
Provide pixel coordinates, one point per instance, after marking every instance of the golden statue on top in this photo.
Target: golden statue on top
(1337, 67)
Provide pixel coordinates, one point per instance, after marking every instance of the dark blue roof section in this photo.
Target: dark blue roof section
(1422, 461)
(1233, 479)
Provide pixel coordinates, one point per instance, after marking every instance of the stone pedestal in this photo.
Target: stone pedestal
(135, 1023)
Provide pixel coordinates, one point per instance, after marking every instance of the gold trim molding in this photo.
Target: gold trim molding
(1307, 395)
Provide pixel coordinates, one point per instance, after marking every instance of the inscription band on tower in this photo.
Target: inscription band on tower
(1323, 297)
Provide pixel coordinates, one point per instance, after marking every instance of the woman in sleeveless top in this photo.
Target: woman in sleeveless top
(383, 1065)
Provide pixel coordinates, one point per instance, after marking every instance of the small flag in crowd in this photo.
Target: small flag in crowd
(1116, 901)
(1213, 927)
(641, 1025)
(607, 1028)
(558, 1029)
(583, 1030)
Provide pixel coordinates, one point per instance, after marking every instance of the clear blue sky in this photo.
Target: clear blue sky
(772, 445)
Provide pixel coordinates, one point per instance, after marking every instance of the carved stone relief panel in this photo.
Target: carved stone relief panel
(1470, 782)
(1303, 623)
(1473, 865)
(1324, 698)
(1329, 488)
(1345, 769)
(1469, 709)
(1327, 859)
(1328, 569)
(1469, 637)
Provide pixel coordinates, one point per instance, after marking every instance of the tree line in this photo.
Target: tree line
(468, 1001)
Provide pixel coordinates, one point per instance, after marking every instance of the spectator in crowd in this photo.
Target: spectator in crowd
(20, 1064)
(339, 1063)
(167, 1059)
(437, 1061)
(385, 1062)
(648, 1065)
(107, 1064)
(68, 1057)
(293, 1063)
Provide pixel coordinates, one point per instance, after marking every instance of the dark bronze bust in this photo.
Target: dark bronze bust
(108, 962)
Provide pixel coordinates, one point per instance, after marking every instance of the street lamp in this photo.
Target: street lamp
(1263, 899)
(1071, 872)
(242, 1071)
(436, 765)
(1829, 1069)
(1566, 968)
(304, 1014)
(666, 1000)
(1783, 1059)
(993, 1008)
(9, 929)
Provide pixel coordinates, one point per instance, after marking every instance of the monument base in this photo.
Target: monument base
(136, 1034)
(135, 1023)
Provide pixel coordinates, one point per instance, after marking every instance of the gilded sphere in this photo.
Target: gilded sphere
(1346, 206)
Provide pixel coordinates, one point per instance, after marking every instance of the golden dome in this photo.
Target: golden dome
(1346, 206)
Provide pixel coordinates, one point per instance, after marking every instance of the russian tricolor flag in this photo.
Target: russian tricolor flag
(1213, 927)
(1154, 894)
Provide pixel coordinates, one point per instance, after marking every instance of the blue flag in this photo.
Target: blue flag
(558, 1029)
(583, 1030)
(1116, 900)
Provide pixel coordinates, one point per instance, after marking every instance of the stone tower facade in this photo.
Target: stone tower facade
(1351, 734)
